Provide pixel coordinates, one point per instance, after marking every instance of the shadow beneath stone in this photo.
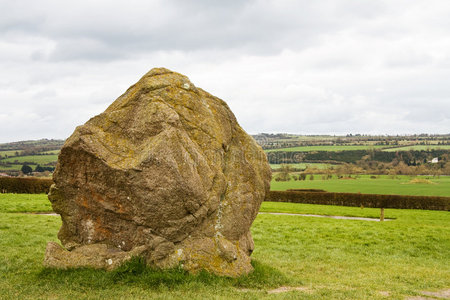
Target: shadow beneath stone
(136, 273)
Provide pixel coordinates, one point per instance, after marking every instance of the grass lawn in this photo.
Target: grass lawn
(382, 185)
(36, 159)
(328, 148)
(326, 210)
(419, 148)
(357, 259)
(326, 258)
(14, 203)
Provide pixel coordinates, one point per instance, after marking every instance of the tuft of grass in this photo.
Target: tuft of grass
(137, 274)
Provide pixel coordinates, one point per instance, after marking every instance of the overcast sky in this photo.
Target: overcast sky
(308, 67)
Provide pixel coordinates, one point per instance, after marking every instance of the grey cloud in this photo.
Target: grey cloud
(110, 31)
(409, 60)
(330, 66)
(82, 48)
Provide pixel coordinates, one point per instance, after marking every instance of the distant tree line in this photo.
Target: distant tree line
(412, 157)
(365, 166)
(30, 144)
(26, 169)
(284, 140)
(24, 148)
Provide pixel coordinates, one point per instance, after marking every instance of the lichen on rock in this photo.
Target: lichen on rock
(167, 173)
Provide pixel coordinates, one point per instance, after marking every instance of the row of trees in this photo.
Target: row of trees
(26, 169)
(353, 156)
(394, 168)
(274, 141)
(29, 153)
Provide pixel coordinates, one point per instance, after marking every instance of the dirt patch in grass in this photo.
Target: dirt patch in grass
(427, 295)
(285, 289)
(444, 294)
(384, 293)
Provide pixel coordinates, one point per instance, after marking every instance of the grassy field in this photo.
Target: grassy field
(382, 185)
(15, 203)
(55, 152)
(419, 148)
(327, 148)
(303, 166)
(36, 159)
(326, 210)
(10, 167)
(7, 153)
(323, 258)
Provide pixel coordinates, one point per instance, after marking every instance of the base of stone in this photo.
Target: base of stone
(217, 256)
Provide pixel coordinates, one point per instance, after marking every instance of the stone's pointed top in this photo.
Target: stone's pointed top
(150, 86)
(162, 77)
(159, 71)
(156, 74)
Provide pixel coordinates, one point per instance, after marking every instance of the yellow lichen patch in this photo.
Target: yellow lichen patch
(204, 254)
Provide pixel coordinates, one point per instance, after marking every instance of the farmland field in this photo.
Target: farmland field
(328, 148)
(14, 203)
(55, 152)
(303, 166)
(419, 148)
(10, 167)
(36, 159)
(382, 185)
(323, 258)
(7, 153)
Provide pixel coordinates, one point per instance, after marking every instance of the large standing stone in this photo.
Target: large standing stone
(165, 172)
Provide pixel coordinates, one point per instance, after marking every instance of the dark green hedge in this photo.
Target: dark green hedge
(21, 185)
(364, 200)
(306, 190)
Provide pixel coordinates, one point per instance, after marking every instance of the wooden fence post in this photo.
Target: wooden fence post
(382, 215)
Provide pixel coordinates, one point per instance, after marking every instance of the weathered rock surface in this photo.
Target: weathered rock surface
(165, 172)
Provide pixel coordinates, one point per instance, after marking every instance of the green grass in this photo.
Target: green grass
(328, 148)
(55, 152)
(419, 148)
(331, 259)
(303, 166)
(326, 210)
(382, 185)
(36, 159)
(10, 167)
(356, 259)
(10, 203)
(8, 152)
